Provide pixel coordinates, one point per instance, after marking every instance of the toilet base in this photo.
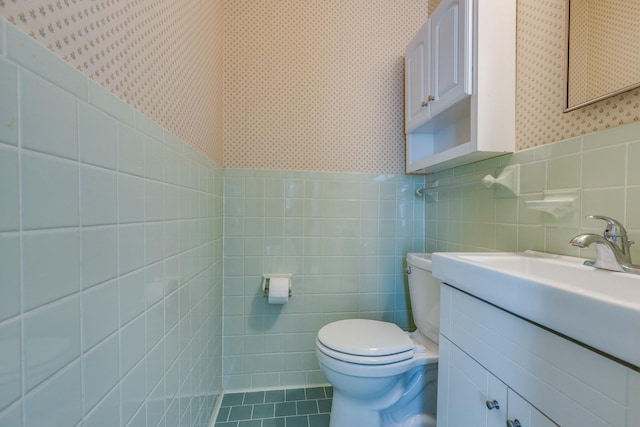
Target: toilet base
(410, 403)
(421, 420)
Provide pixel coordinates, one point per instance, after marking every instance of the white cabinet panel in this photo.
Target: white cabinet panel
(473, 396)
(438, 64)
(451, 54)
(438, 87)
(550, 379)
(467, 386)
(528, 416)
(417, 63)
(633, 399)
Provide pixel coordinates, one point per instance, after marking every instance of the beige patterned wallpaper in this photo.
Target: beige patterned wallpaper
(307, 85)
(163, 57)
(610, 21)
(595, 68)
(578, 54)
(317, 85)
(541, 82)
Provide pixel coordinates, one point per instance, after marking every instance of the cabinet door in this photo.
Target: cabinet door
(451, 53)
(464, 390)
(417, 63)
(521, 410)
(633, 397)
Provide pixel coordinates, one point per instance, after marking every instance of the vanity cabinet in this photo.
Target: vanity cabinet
(534, 375)
(475, 397)
(460, 85)
(467, 388)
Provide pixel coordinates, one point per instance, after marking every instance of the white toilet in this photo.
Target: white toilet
(381, 375)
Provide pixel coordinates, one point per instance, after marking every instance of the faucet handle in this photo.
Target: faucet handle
(614, 228)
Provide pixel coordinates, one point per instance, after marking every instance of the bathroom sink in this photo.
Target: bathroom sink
(596, 307)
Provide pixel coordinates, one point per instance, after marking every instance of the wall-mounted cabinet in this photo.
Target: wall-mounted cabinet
(460, 85)
(438, 64)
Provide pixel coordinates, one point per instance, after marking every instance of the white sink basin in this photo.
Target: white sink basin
(598, 308)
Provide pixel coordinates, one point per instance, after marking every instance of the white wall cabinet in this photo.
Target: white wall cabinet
(438, 64)
(460, 85)
(536, 376)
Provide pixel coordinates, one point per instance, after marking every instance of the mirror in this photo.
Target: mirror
(603, 49)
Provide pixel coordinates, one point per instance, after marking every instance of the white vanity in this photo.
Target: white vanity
(531, 340)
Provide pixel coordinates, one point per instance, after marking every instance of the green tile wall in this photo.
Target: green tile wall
(602, 167)
(342, 236)
(110, 256)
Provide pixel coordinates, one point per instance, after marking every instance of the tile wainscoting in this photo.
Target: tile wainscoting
(343, 236)
(110, 256)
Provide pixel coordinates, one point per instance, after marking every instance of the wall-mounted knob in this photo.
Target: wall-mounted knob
(431, 98)
(493, 404)
(424, 104)
(514, 423)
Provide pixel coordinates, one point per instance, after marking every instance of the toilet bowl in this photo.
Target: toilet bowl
(381, 375)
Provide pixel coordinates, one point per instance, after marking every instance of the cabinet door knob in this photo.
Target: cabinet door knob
(493, 404)
(429, 99)
(514, 423)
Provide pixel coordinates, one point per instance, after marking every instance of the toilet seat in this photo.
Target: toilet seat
(368, 342)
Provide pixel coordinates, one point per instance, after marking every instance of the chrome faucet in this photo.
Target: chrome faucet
(612, 248)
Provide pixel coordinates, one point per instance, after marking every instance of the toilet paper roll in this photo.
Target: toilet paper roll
(279, 290)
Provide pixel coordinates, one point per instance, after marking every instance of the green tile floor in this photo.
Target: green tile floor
(300, 407)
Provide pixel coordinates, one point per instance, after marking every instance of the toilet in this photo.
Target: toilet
(381, 375)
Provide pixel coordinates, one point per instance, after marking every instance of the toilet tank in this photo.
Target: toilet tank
(424, 292)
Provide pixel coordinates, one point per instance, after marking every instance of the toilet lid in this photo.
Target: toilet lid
(375, 340)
